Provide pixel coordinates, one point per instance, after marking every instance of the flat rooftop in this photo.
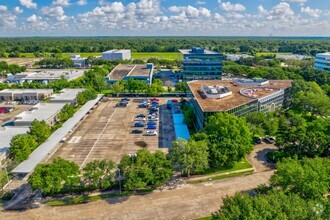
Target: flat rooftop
(122, 70)
(66, 95)
(55, 75)
(20, 91)
(238, 97)
(7, 133)
(189, 51)
(41, 111)
(116, 51)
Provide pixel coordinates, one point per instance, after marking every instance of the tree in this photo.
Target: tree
(181, 87)
(98, 173)
(21, 146)
(229, 139)
(273, 205)
(52, 178)
(189, 115)
(40, 131)
(145, 169)
(189, 156)
(86, 96)
(118, 87)
(66, 113)
(260, 123)
(308, 178)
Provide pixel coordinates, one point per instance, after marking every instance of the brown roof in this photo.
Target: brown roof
(236, 99)
(122, 70)
(140, 70)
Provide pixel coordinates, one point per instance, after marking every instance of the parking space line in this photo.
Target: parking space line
(98, 138)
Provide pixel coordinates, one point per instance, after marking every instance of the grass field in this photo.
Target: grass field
(220, 177)
(135, 55)
(243, 164)
(268, 54)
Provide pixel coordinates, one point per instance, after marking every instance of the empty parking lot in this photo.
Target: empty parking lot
(106, 134)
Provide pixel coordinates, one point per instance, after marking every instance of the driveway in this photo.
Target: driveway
(258, 159)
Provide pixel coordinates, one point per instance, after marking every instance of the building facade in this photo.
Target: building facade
(238, 97)
(25, 94)
(66, 96)
(322, 62)
(199, 63)
(117, 55)
(78, 61)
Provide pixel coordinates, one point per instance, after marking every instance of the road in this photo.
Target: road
(185, 201)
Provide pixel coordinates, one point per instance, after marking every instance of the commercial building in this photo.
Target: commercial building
(236, 57)
(66, 96)
(238, 96)
(47, 112)
(6, 134)
(322, 61)
(199, 63)
(78, 61)
(135, 71)
(25, 94)
(117, 55)
(292, 56)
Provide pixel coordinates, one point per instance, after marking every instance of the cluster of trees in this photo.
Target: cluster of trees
(5, 68)
(135, 172)
(134, 86)
(86, 95)
(22, 145)
(163, 44)
(224, 140)
(55, 63)
(297, 190)
(66, 113)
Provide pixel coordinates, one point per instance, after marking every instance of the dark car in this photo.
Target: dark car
(143, 105)
(154, 109)
(152, 123)
(154, 100)
(122, 104)
(269, 140)
(151, 127)
(155, 104)
(141, 116)
(138, 124)
(125, 100)
(256, 140)
(136, 132)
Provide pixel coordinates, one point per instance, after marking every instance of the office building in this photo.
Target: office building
(78, 61)
(199, 63)
(25, 94)
(236, 57)
(292, 56)
(140, 72)
(47, 112)
(66, 96)
(117, 55)
(322, 61)
(238, 96)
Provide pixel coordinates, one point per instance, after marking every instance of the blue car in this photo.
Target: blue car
(138, 124)
(151, 126)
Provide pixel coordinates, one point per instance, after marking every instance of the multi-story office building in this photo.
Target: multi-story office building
(117, 55)
(322, 61)
(199, 63)
(238, 96)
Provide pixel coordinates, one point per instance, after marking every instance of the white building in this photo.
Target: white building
(78, 61)
(47, 112)
(25, 94)
(292, 56)
(66, 96)
(53, 75)
(322, 61)
(236, 57)
(117, 55)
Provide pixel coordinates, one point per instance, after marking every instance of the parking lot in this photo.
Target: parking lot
(8, 117)
(106, 133)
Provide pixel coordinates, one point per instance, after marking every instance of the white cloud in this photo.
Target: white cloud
(18, 10)
(312, 12)
(191, 12)
(200, 3)
(3, 8)
(82, 2)
(235, 15)
(64, 3)
(297, 1)
(56, 12)
(28, 4)
(228, 6)
(32, 18)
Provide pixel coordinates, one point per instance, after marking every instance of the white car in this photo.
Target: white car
(153, 119)
(140, 119)
(151, 133)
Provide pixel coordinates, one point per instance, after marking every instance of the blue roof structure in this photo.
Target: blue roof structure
(181, 129)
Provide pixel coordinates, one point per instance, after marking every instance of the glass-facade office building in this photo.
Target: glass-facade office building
(322, 62)
(199, 63)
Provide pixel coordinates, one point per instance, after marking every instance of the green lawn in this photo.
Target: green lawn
(243, 164)
(204, 218)
(220, 177)
(268, 54)
(168, 56)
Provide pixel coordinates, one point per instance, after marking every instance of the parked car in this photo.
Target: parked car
(140, 119)
(269, 140)
(136, 132)
(151, 133)
(155, 114)
(155, 104)
(154, 109)
(175, 100)
(154, 99)
(151, 127)
(143, 105)
(152, 123)
(256, 140)
(141, 115)
(125, 100)
(139, 124)
(152, 118)
(122, 104)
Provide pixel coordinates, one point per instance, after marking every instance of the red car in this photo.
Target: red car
(154, 100)
(175, 100)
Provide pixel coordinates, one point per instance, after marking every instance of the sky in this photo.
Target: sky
(19, 18)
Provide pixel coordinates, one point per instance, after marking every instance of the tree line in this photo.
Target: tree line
(309, 46)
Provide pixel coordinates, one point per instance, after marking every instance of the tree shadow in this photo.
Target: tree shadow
(262, 158)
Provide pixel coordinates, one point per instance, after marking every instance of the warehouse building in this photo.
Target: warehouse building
(238, 96)
(25, 94)
(131, 71)
(117, 55)
(199, 63)
(66, 96)
(47, 112)
(78, 61)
